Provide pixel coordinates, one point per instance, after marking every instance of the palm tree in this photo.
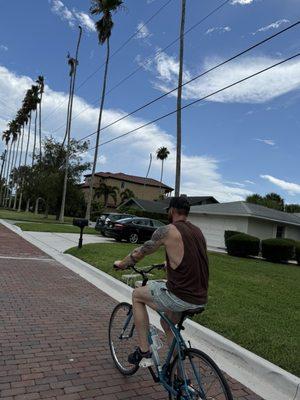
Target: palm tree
(162, 154)
(13, 129)
(104, 28)
(35, 100)
(126, 195)
(7, 137)
(179, 100)
(41, 86)
(107, 191)
(73, 62)
(27, 107)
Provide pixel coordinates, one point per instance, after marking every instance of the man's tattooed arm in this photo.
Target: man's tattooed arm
(149, 247)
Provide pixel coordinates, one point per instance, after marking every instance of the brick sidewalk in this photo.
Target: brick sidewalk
(53, 334)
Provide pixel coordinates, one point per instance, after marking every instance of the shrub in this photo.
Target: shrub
(297, 251)
(243, 245)
(229, 234)
(278, 250)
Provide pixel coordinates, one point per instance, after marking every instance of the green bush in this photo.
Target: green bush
(243, 245)
(297, 251)
(229, 234)
(278, 250)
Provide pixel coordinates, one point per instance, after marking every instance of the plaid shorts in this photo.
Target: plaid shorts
(167, 301)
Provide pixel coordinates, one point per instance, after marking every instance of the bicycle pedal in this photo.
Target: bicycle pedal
(146, 362)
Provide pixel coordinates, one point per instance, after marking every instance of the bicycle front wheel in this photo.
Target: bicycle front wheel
(122, 338)
(202, 378)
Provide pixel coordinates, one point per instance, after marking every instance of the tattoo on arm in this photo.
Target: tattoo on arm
(149, 247)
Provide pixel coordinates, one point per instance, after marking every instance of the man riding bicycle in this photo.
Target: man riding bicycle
(187, 275)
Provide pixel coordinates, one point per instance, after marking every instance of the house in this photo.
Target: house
(259, 221)
(143, 188)
(160, 206)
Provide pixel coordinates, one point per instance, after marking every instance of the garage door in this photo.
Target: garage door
(213, 228)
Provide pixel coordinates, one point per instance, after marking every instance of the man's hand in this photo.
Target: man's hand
(119, 265)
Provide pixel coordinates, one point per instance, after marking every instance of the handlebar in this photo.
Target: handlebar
(143, 272)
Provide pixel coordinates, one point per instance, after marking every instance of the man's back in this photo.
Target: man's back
(187, 262)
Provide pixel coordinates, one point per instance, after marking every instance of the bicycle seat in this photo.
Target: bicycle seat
(191, 313)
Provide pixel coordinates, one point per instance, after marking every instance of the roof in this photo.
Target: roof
(243, 209)
(132, 178)
(147, 205)
(194, 200)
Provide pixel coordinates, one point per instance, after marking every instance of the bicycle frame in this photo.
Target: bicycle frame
(162, 370)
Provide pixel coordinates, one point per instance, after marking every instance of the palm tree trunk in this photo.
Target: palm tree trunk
(25, 162)
(179, 101)
(68, 133)
(3, 169)
(161, 175)
(11, 155)
(20, 159)
(27, 205)
(40, 125)
(13, 168)
(90, 194)
(34, 142)
(148, 171)
(36, 208)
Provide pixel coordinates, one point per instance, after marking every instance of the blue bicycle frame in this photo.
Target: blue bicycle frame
(162, 370)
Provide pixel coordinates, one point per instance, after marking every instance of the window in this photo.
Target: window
(157, 224)
(280, 232)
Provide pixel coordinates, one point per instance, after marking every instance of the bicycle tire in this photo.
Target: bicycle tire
(121, 362)
(206, 360)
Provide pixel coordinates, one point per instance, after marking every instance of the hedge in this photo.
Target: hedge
(278, 250)
(229, 234)
(243, 245)
(297, 251)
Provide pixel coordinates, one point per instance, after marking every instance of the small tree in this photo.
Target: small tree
(107, 191)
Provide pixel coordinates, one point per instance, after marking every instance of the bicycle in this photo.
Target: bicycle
(191, 375)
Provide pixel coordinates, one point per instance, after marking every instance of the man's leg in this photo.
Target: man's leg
(175, 318)
(140, 298)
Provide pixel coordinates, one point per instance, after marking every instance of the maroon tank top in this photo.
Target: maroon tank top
(189, 281)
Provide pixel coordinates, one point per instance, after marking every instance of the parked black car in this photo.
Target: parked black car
(134, 230)
(107, 219)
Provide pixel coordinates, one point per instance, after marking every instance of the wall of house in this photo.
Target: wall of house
(261, 228)
(140, 191)
(214, 226)
(292, 232)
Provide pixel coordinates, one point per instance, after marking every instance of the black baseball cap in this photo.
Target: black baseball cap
(180, 203)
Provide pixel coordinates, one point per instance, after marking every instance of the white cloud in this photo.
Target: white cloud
(267, 86)
(72, 16)
(274, 25)
(200, 173)
(269, 142)
(291, 188)
(143, 31)
(249, 182)
(3, 48)
(242, 2)
(218, 29)
(85, 21)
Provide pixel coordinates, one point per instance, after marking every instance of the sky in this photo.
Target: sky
(241, 141)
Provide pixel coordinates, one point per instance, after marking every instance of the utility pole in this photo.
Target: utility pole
(179, 100)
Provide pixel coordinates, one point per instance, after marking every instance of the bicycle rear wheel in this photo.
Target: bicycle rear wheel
(122, 338)
(204, 380)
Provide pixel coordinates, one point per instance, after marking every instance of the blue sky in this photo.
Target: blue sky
(244, 141)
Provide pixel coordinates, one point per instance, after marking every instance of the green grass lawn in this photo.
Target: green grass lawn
(58, 228)
(28, 216)
(251, 302)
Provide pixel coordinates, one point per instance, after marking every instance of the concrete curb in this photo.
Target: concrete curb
(262, 377)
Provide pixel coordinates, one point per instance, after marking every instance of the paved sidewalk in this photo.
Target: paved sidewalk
(53, 334)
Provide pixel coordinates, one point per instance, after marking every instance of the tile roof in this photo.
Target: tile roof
(148, 205)
(132, 178)
(241, 208)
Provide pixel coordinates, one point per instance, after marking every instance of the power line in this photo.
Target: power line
(199, 100)
(114, 53)
(123, 80)
(197, 77)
